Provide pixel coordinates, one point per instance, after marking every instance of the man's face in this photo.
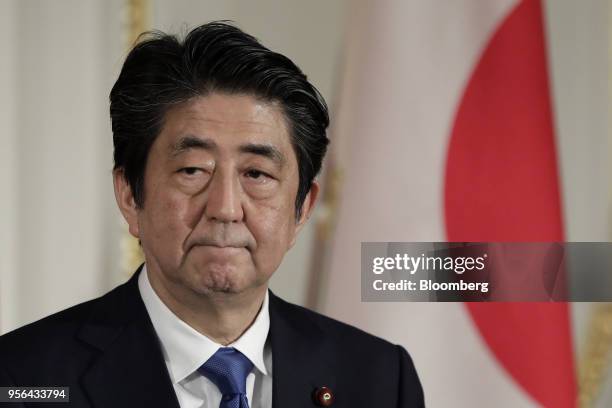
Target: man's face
(220, 186)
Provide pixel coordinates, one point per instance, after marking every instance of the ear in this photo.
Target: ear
(125, 201)
(307, 207)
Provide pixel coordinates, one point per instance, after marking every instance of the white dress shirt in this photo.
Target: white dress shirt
(185, 350)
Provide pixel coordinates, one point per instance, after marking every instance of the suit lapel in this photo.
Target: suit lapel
(302, 359)
(130, 369)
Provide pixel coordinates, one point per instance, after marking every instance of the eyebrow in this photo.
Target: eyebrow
(265, 150)
(193, 142)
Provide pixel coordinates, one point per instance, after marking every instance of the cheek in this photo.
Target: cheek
(165, 221)
(273, 229)
(278, 213)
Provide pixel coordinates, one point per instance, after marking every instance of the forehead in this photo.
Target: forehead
(229, 120)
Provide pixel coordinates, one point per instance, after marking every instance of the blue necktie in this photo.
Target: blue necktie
(228, 369)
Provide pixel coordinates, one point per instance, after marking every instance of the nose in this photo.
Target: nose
(224, 203)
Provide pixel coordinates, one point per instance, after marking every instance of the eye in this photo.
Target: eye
(259, 178)
(256, 174)
(190, 171)
(190, 179)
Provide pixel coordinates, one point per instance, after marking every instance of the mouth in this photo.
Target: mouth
(221, 250)
(228, 245)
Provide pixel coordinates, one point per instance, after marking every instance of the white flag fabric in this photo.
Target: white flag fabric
(444, 133)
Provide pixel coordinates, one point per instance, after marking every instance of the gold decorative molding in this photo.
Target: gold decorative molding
(131, 252)
(330, 204)
(594, 366)
(137, 19)
(326, 217)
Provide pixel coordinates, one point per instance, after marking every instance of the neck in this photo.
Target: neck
(222, 317)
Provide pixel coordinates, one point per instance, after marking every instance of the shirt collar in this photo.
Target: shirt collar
(185, 349)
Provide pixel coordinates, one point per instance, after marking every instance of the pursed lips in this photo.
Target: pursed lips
(221, 244)
(222, 248)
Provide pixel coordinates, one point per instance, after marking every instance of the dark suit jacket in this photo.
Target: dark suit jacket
(107, 352)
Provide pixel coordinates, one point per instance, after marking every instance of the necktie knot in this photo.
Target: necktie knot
(228, 369)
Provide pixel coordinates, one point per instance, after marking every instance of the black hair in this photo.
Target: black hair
(162, 71)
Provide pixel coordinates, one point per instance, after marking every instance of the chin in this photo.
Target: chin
(221, 279)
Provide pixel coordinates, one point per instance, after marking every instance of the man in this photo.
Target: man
(217, 142)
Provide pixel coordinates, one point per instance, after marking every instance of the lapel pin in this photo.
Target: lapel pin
(323, 397)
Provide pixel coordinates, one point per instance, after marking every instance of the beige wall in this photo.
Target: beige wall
(55, 139)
